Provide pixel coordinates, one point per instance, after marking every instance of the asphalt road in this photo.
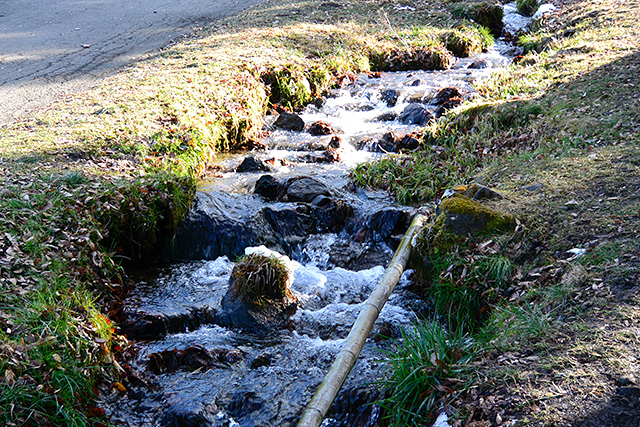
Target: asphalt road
(49, 48)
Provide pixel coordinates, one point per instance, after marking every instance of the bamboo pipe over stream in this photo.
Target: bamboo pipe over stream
(315, 412)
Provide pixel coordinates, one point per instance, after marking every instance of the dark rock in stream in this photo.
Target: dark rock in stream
(357, 256)
(446, 99)
(185, 412)
(148, 325)
(416, 114)
(410, 141)
(191, 358)
(289, 221)
(302, 189)
(320, 128)
(388, 143)
(356, 407)
(390, 96)
(384, 224)
(216, 226)
(331, 215)
(289, 121)
(386, 117)
(444, 95)
(267, 187)
(253, 164)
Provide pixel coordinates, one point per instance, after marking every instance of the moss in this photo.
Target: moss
(461, 216)
(465, 41)
(527, 7)
(488, 15)
(418, 58)
(259, 280)
(142, 211)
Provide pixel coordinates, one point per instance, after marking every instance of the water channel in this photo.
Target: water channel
(196, 370)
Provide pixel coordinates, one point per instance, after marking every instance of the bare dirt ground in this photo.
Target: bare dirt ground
(49, 49)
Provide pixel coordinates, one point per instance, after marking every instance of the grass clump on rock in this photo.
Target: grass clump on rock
(466, 41)
(260, 280)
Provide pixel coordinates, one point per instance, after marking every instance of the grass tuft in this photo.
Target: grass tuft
(425, 371)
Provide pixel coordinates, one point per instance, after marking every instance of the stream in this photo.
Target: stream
(295, 198)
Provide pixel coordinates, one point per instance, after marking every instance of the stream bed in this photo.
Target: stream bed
(295, 198)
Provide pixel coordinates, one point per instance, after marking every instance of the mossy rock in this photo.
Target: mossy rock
(463, 42)
(527, 7)
(462, 216)
(418, 58)
(489, 15)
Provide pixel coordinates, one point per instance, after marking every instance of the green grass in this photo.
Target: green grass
(426, 370)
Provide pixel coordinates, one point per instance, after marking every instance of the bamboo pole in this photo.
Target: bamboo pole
(315, 412)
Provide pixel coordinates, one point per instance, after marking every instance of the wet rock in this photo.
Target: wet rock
(318, 102)
(386, 117)
(191, 358)
(445, 95)
(479, 64)
(289, 221)
(211, 229)
(416, 82)
(626, 381)
(365, 143)
(416, 114)
(184, 411)
(410, 141)
(253, 164)
(390, 96)
(244, 403)
(383, 224)
(322, 128)
(462, 216)
(358, 407)
(331, 215)
(145, 325)
(267, 187)
(302, 189)
(448, 105)
(289, 121)
(357, 256)
(261, 360)
(388, 143)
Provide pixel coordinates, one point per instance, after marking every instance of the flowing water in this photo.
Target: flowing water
(194, 370)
